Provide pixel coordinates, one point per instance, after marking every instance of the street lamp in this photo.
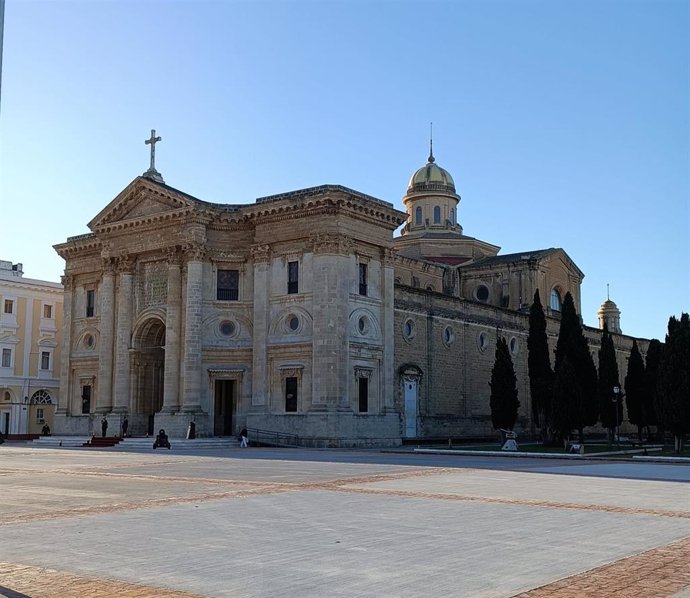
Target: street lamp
(616, 393)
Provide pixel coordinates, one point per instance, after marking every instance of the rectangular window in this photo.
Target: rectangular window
(6, 358)
(40, 415)
(291, 395)
(48, 312)
(9, 306)
(45, 360)
(363, 395)
(86, 398)
(363, 279)
(90, 303)
(228, 285)
(293, 278)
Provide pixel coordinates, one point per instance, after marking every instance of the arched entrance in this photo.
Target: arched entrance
(148, 361)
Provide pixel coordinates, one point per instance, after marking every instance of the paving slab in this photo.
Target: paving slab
(303, 523)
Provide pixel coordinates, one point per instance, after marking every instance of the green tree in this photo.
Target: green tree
(504, 395)
(673, 386)
(635, 390)
(573, 345)
(567, 394)
(539, 367)
(610, 404)
(651, 376)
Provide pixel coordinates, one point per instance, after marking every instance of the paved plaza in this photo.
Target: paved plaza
(269, 522)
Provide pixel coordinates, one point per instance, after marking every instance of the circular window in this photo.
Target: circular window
(448, 335)
(227, 328)
(513, 346)
(482, 293)
(293, 323)
(89, 341)
(483, 341)
(408, 329)
(362, 325)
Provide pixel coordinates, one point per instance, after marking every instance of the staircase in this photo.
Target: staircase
(102, 442)
(134, 444)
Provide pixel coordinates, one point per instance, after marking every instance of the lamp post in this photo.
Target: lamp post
(616, 394)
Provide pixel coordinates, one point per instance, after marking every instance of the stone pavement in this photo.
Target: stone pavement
(266, 522)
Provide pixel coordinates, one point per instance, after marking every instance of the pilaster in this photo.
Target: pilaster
(261, 257)
(191, 401)
(64, 405)
(171, 380)
(124, 334)
(104, 397)
(388, 331)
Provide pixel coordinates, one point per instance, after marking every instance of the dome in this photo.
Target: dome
(608, 305)
(431, 177)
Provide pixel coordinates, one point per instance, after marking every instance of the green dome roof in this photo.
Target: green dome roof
(431, 177)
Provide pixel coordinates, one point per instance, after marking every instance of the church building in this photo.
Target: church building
(300, 313)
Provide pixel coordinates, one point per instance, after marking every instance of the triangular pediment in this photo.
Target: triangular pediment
(141, 200)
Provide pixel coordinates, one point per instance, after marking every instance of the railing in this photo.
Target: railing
(272, 438)
(284, 439)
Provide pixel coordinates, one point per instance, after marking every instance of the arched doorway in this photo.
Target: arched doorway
(41, 411)
(148, 361)
(410, 377)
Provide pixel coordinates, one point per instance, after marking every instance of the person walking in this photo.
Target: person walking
(244, 440)
(104, 426)
(125, 425)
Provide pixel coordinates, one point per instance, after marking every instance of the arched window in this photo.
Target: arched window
(437, 214)
(418, 215)
(41, 397)
(555, 301)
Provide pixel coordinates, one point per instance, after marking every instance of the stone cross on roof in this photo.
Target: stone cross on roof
(152, 173)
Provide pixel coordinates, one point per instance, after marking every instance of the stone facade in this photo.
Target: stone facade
(31, 327)
(299, 313)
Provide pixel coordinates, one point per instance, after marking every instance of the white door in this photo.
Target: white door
(410, 408)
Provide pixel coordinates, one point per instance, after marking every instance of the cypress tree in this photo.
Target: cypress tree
(635, 390)
(673, 384)
(610, 405)
(567, 395)
(504, 395)
(651, 375)
(573, 345)
(539, 366)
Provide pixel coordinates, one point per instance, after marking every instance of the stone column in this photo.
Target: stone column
(123, 336)
(104, 396)
(171, 380)
(64, 401)
(388, 331)
(191, 401)
(260, 373)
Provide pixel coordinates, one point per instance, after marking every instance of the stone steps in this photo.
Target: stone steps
(139, 443)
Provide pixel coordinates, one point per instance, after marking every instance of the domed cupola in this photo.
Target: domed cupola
(431, 178)
(431, 200)
(610, 315)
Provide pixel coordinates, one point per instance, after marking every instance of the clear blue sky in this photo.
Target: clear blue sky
(564, 124)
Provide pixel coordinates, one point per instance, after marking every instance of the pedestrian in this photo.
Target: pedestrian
(45, 430)
(125, 425)
(104, 426)
(244, 441)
